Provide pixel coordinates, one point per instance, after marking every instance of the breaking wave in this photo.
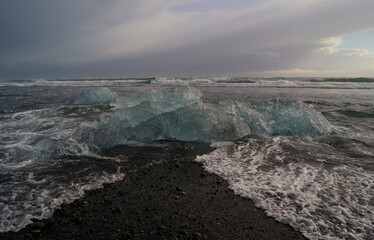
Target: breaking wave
(278, 82)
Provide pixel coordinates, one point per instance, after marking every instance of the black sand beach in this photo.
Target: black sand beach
(169, 198)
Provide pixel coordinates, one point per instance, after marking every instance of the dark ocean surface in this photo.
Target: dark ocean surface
(302, 149)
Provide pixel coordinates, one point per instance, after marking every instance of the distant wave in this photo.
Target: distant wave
(74, 82)
(353, 80)
(278, 82)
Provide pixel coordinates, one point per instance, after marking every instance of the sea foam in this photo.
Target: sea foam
(298, 182)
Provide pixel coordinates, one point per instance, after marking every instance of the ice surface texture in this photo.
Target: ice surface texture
(181, 114)
(96, 96)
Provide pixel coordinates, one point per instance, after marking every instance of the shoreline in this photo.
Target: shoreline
(172, 199)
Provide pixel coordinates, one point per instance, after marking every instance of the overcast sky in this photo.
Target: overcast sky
(128, 38)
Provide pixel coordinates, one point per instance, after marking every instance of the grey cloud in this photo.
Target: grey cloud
(50, 38)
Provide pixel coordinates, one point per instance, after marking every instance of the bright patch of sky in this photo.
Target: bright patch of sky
(362, 40)
(213, 5)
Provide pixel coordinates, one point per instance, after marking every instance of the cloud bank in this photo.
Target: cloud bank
(92, 38)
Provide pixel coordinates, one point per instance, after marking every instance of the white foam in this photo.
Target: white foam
(185, 82)
(306, 83)
(40, 202)
(24, 136)
(196, 81)
(71, 82)
(321, 202)
(34, 180)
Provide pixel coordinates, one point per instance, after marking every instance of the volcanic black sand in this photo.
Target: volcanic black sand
(164, 195)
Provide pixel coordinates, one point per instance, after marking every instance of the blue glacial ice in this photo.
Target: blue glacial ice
(96, 96)
(181, 114)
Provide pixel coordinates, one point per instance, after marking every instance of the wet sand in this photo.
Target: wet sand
(170, 199)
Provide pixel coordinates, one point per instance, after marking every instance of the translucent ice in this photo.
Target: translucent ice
(181, 114)
(96, 96)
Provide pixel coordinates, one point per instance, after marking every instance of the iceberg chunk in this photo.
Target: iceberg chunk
(162, 100)
(284, 118)
(96, 96)
(181, 114)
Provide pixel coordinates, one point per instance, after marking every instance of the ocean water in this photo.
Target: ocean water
(302, 149)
